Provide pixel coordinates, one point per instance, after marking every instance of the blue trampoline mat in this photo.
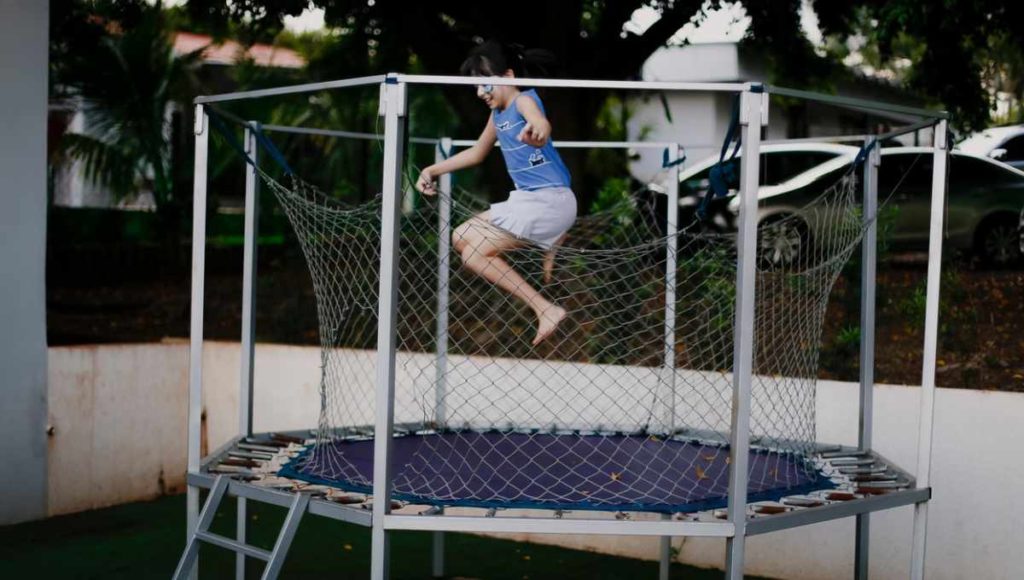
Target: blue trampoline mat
(556, 471)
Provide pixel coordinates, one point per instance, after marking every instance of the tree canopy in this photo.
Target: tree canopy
(955, 53)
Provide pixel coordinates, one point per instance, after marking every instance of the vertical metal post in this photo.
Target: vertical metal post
(753, 114)
(438, 557)
(931, 331)
(671, 263)
(669, 354)
(245, 387)
(195, 360)
(393, 109)
(869, 261)
(664, 553)
(444, 245)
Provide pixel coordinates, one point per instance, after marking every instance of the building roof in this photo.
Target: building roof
(230, 52)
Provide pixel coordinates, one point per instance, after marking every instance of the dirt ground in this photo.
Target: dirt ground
(981, 324)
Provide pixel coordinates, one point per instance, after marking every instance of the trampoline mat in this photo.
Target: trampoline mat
(556, 471)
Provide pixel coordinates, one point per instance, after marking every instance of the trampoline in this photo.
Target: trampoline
(682, 380)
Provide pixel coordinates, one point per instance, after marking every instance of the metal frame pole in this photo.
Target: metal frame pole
(671, 252)
(195, 361)
(393, 103)
(245, 387)
(444, 241)
(931, 331)
(669, 362)
(753, 115)
(664, 553)
(869, 260)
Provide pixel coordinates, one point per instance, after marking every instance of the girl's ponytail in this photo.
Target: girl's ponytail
(493, 58)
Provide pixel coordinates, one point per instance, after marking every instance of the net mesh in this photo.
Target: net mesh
(626, 406)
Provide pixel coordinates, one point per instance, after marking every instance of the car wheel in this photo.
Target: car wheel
(998, 243)
(783, 240)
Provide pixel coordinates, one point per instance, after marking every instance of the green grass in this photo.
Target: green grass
(144, 540)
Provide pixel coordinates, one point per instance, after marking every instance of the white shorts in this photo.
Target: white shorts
(540, 215)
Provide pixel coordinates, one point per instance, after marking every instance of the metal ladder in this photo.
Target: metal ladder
(274, 558)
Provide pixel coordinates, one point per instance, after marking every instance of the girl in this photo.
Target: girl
(541, 208)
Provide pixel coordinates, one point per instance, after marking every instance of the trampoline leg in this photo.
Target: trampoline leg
(734, 552)
(240, 536)
(438, 568)
(860, 565)
(665, 553)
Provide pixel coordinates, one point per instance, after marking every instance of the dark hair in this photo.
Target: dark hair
(493, 58)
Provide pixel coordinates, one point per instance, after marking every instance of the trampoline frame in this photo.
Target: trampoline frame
(754, 104)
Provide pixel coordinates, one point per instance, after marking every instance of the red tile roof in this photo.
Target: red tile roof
(230, 52)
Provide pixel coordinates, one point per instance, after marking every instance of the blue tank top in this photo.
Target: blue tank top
(529, 167)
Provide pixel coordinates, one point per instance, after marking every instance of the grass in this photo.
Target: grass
(144, 540)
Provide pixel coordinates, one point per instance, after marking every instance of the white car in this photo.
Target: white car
(1004, 144)
(982, 209)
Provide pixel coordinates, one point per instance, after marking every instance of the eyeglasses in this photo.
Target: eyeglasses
(486, 89)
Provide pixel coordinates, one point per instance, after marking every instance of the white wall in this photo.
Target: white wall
(119, 413)
(24, 31)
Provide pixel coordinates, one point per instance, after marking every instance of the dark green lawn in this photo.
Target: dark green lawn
(144, 540)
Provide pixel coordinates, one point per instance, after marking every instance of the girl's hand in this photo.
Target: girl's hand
(533, 136)
(425, 183)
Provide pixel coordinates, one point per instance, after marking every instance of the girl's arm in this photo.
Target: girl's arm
(466, 158)
(537, 129)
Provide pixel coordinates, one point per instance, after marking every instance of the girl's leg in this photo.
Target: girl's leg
(480, 245)
(549, 258)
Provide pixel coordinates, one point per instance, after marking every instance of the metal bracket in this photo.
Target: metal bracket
(875, 156)
(941, 138)
(753, 104)
(397, 92)
(200, 122)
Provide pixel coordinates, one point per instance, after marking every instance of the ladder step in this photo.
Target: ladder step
(259, 448)
(230, 544)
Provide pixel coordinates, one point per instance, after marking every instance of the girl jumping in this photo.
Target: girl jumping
(541, 208)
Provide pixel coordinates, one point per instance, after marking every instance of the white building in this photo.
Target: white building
(70, 186)
(699, 121)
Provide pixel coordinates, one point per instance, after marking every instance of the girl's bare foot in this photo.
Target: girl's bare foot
(547, 322)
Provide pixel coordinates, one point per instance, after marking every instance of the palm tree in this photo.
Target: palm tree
(128, 82)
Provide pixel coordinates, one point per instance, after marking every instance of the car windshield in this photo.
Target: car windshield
(777, 167)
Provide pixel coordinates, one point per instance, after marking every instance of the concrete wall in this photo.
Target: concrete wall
(119, 413)
(24, 26)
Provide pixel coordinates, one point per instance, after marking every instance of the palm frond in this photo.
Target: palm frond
(102, 162)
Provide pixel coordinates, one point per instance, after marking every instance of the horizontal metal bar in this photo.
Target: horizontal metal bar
(834, 511)
(445, 523)
(221, 541)
(588, 144)
(575, 83)
(859, 139)
(317, 506)
(323, 132)
(908, 129)
(291, 90)
(335, 511)
(465, 142)
(219, 453)
(343, 134)
(854, 102)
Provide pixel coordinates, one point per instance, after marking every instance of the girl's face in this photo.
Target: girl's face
(497, 96)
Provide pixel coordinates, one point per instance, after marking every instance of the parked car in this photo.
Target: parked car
(984, 200)
(1004, 144)
(1020, 231)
